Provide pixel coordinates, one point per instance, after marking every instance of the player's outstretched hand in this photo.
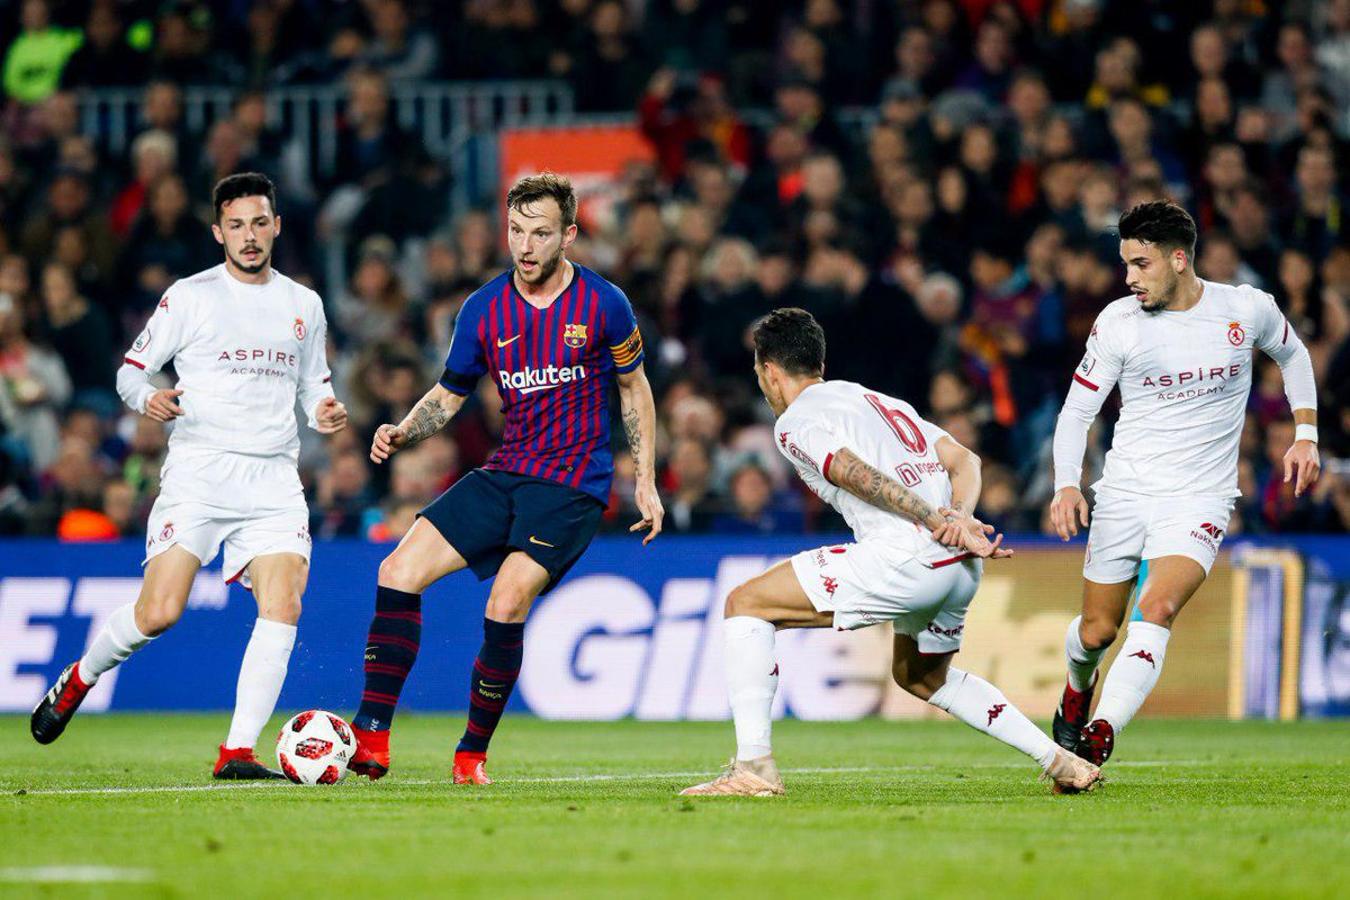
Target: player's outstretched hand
(331, 416)
(649, 504)
(971, 535)
(1302, 463)
(389, 439)
(163, 405)
(1067, 510)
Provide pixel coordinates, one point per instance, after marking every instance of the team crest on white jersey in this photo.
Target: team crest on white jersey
(574, 335)
(299, 329)
(142, 340)
(1235, 334)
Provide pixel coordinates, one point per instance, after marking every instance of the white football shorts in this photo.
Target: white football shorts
(253, 506)
(863, 584)
(1128, 528)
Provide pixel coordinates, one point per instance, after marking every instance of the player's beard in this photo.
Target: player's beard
(546, 269)
(255, 268)
(1161, 300)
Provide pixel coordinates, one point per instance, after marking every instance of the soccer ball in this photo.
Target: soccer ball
(314, 748)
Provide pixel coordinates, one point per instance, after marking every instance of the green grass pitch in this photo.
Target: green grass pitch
(874, 809)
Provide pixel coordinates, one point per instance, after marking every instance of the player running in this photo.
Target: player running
(1180, 350)
(245, 341)
(553, 336)
(916, 560)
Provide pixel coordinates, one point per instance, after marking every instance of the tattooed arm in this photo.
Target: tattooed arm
(429, 416)
(867, 483)
(639, 425)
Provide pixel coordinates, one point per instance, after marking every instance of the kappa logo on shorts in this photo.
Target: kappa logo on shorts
(1145, 655)
(994, 712)
(303, 534)
(782, 439)
(831, 584)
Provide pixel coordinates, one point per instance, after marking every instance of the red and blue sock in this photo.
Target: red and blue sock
(391, 649)
(494, 675)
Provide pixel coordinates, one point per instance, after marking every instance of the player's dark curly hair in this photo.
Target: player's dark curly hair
(793, 339)
(534, 188)
(1160, 222)
(243, 184)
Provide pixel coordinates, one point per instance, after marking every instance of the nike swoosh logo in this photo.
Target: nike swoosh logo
(535, 540)
(502, 343)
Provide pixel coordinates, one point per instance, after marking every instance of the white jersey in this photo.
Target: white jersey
(885, 433)
(1184, 378)
(243, 353)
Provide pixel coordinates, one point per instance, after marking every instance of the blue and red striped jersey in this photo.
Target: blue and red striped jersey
(553, 369)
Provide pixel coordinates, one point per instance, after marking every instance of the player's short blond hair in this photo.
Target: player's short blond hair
(533, 188)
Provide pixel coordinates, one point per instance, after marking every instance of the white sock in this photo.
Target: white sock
(1082, 661)
(260, 678)
(1133, 674)
(119, 639)
(983, 707)
(752, 680)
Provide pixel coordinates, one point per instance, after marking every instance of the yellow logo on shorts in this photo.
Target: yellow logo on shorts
(574, 335)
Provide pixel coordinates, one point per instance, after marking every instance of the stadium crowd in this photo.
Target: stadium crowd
(953, 233)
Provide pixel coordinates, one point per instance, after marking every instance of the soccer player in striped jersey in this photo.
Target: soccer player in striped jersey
(553, 336)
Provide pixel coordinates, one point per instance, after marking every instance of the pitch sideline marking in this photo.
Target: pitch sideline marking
(74, 875)
(573, 779)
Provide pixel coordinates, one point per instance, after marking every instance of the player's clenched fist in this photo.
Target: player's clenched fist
(1067, 510)
(163, 405)
(331, 416)
(389, 439)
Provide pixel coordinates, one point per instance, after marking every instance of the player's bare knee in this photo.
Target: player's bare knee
(743, 600)
(1159, 611)
(157, 613)
(1097, 633)
(283, 607)
(399, 572)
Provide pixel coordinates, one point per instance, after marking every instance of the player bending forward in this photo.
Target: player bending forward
(846, 442)
(1180, 350)
(245, 340)
(554, 336)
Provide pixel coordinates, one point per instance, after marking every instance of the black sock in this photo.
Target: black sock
(494, 675)
(391, 650)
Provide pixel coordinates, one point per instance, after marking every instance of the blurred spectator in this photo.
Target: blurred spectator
(34, 388)
(81, 335)
(105, 59)
(754, 507)
(69, 205)
(35, 58)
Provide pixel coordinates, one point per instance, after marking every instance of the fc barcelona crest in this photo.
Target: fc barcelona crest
(574, 335)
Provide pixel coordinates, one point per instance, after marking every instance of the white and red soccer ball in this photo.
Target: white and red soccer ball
(315, 747)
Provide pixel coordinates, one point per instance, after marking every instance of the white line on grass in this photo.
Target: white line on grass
(574, 779)
(75, 874)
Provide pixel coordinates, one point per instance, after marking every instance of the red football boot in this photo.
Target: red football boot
(1071, 717)
(469, 768)
(239, 764)
(372, 754)
(1096, 742)
(58, 705)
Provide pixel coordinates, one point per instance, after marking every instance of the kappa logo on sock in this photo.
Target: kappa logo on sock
(1144, 654)
(994, 712)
